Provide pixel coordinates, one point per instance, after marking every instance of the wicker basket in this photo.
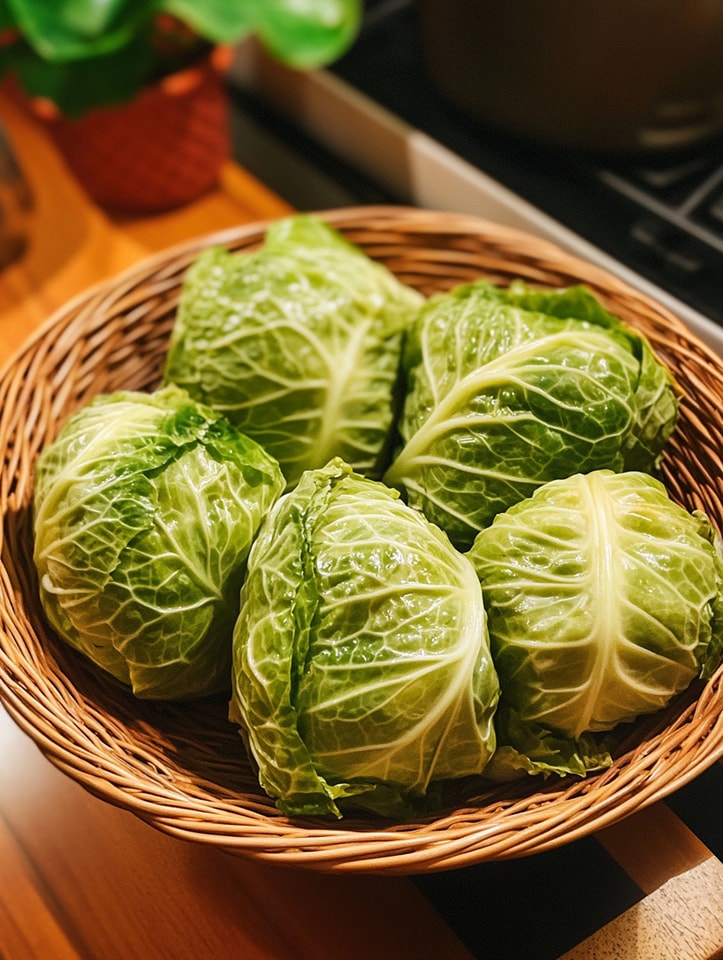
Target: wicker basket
(182, 767)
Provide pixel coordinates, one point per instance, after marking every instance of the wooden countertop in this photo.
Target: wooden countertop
(82, 879)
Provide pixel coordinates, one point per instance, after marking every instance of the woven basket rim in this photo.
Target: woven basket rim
(81, 722)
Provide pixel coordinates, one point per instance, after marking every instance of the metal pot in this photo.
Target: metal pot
(611, 75)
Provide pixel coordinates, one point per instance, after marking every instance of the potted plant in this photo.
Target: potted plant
(118, 79)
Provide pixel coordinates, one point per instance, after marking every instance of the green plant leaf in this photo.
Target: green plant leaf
(76, 29)
(7, 20)
(65, 35)
(96, 81)
(308, 33)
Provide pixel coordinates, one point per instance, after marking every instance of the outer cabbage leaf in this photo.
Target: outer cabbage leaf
(538, 750)
(297, 343)
(604, 602)
(145, 509)
(362, 670)
(510, 388)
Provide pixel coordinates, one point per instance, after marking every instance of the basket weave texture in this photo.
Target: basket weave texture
(182, 768)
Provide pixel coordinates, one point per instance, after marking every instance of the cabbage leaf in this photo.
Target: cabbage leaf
(298, 343)
(362, 671)
(508, 388)
(145, 508)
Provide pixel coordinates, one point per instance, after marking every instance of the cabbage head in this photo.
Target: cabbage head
(362, 671)
(297, 343)
(604, 601)
(508, 388)
(145, 508)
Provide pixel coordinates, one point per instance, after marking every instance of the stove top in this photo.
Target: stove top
(373, 127)
(661, 215)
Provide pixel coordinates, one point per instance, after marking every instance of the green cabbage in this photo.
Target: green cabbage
(510, 388)
(362, 671)
(604, 601)
(145, 509)
(297, 343)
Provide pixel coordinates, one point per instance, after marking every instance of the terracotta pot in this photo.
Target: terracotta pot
(160, 150)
